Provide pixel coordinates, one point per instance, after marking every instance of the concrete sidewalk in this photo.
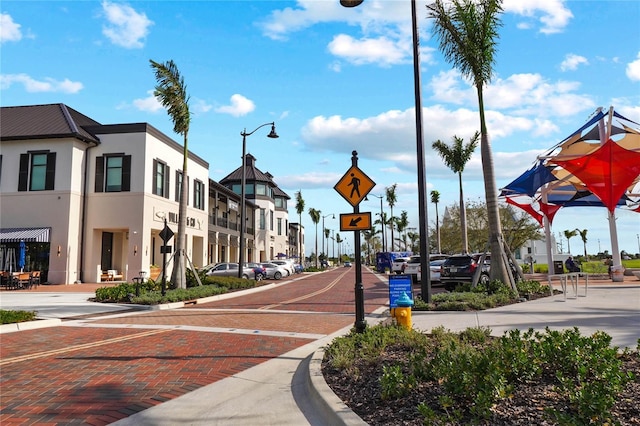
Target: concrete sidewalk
(613, 308)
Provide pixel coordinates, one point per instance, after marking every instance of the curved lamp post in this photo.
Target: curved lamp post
(425, 282)
(243, 220)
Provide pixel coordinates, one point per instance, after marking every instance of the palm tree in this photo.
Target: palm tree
(383, 224)
(568, 235)
(315, 218)
(583, 236)
(435, 199)
(468, 31)
(402, 222)
(171, 91)
(338, 241)
(390, 193)
(300, 210)
(456, 158)
(327, 233)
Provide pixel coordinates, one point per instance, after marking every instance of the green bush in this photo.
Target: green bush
(151, 294)
(474, 371)
(12, 317)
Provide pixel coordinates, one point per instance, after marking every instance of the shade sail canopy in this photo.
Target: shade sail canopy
(598, 165)
(28, 235)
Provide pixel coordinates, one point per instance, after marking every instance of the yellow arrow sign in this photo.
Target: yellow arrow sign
(354, 185)
(355, 221)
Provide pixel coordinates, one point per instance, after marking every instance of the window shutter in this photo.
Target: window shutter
(167, 181)
(50, 178)
(23, 175)
(154, 185)
(99, 184)
(126, 173)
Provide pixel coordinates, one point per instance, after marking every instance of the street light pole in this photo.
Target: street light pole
(243, 224)
(333, 216)
(425, 281)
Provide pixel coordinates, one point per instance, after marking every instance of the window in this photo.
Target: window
(280, 203)
(279, 226)
(261, 189)
(263, 219)
(160, 179)
(271, 220)
(113, 173)
(178, 190)
(37, 171)
(198, 194)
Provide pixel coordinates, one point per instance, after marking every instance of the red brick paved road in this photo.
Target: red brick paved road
(98, 371)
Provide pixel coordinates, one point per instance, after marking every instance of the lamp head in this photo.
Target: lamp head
(333, 216)
(272, 134)
(351, 3)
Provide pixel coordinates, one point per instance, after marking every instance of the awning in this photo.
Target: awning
(28, 235)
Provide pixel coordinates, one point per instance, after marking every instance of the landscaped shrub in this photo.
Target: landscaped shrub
(11, 317)
(471, 373)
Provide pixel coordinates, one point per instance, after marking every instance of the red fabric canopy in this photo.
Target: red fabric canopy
(607, 171)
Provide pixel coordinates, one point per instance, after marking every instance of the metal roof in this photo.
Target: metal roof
(46, 122)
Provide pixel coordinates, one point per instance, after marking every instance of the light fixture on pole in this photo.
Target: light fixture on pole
(384, 244)
(243, 220)
(425, 281)
(333, 216)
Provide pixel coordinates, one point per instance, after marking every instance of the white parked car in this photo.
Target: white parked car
(273, 271)
(287, 263)
(434, 267)
(398, 265)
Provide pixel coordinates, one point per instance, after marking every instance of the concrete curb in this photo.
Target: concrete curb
(335, 412)
(29, 325)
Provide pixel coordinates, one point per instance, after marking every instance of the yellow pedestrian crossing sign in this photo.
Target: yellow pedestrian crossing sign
(354, 185)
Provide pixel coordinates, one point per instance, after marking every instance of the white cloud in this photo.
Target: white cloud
(633, 69)
(572, 61)
(37, 86)
(381, 50)
(552, 14)
(239, 106)
(148, 104)
(9, 30)
(126, 27)
(199, 106)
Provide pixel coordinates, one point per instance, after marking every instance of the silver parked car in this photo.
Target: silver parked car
(273, 271)
(229, 270)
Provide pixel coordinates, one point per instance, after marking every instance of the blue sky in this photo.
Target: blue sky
(335, 80)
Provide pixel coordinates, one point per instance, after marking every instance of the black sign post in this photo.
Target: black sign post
(166, 234)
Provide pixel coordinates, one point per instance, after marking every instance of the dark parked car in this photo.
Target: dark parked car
(461, 268)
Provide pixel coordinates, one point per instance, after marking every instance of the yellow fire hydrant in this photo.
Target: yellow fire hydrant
(402, 312)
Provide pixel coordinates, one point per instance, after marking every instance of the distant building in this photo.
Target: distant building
(272, 220)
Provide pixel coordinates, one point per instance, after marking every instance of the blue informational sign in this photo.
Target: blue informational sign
(399, 284)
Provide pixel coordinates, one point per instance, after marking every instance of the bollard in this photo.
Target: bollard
(403, 312)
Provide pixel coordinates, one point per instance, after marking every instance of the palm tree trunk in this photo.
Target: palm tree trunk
(463, 218)
(179, 273)
(438, 229)
(498, 267)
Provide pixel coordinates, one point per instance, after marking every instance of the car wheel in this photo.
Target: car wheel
(484, 279)
(277, 276)
(259, 277)
(245, 276)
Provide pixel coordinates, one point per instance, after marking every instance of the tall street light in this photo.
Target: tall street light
(425, 281)
(243, 224)
(384, 244)
(333, 216)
